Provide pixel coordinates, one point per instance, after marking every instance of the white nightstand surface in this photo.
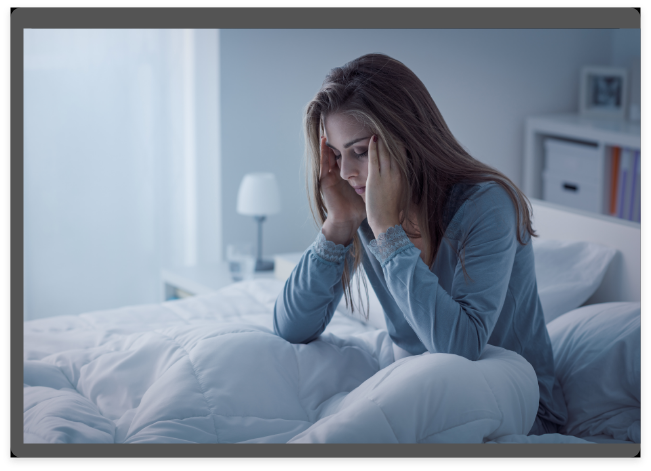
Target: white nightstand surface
(202, 279)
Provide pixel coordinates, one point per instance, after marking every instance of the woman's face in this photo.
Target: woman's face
(349, 139)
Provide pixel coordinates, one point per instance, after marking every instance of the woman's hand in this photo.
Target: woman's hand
(346, 209)
(383, 189)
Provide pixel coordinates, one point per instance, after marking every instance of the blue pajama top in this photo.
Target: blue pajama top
(437, 309)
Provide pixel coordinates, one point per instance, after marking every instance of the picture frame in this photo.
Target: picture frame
(603, 92)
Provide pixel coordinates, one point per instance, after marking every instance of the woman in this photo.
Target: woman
(444, 240)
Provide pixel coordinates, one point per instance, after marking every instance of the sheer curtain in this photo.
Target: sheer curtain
(121, 164)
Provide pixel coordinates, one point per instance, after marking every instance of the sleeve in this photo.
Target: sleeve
(311, 293)
(459, 322)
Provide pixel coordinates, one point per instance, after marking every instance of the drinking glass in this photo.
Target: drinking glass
(241, 262)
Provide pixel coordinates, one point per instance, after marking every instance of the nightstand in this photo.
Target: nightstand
(181, 282)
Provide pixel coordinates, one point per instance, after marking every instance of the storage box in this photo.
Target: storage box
(576, 161)
(576, 193)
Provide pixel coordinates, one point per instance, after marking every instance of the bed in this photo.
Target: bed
(208, 369)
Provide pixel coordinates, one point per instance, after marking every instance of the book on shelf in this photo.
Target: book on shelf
(634, 214)
(614, 174)
(624, 182)
(630, 202)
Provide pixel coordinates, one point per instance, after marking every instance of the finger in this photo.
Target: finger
(332, 160)
(324, 164)
(327, 158)
(373, 162)
(332, 165)
(383, 155)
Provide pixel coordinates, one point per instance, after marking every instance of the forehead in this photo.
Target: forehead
(343, 127)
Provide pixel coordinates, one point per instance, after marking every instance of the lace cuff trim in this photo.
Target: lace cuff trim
(389, 243)
(327, 250)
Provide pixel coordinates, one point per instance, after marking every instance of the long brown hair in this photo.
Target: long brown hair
(392, 101)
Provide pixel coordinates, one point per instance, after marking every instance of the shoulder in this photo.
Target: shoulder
(489, 205)
(490, 192)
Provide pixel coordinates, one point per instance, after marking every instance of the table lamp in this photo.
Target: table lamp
(259, 197)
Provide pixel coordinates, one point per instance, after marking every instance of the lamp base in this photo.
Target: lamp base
(264, 265)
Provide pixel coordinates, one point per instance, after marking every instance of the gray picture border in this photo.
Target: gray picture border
(268, 18)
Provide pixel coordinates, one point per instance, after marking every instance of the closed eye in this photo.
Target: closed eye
(359, 156)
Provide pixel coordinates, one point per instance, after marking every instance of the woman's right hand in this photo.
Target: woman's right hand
(346, 209)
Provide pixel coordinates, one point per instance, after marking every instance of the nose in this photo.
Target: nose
(349, 167)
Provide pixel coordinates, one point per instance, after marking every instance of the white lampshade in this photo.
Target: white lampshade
(258, 195)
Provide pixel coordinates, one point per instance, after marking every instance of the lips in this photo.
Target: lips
(360, 190)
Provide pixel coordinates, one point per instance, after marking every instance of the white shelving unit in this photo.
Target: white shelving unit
(602, 133)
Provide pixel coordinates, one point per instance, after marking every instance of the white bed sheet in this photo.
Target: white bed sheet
(244, 303)
(208, 369)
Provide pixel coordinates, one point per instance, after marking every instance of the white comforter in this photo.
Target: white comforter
(210, 370)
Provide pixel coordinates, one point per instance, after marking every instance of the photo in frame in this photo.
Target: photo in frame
(603, 92)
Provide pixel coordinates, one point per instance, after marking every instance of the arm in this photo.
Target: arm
(313, 291)
(459, 322)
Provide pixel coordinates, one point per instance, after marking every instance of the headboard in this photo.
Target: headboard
(622, 281)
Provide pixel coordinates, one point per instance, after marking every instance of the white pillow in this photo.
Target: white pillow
(568, 273)
(597, 362)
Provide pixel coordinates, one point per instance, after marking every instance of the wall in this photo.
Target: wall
(626, 51)
(485, 82)
(626, 47)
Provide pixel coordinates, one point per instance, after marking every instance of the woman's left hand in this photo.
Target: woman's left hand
(383, 188)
